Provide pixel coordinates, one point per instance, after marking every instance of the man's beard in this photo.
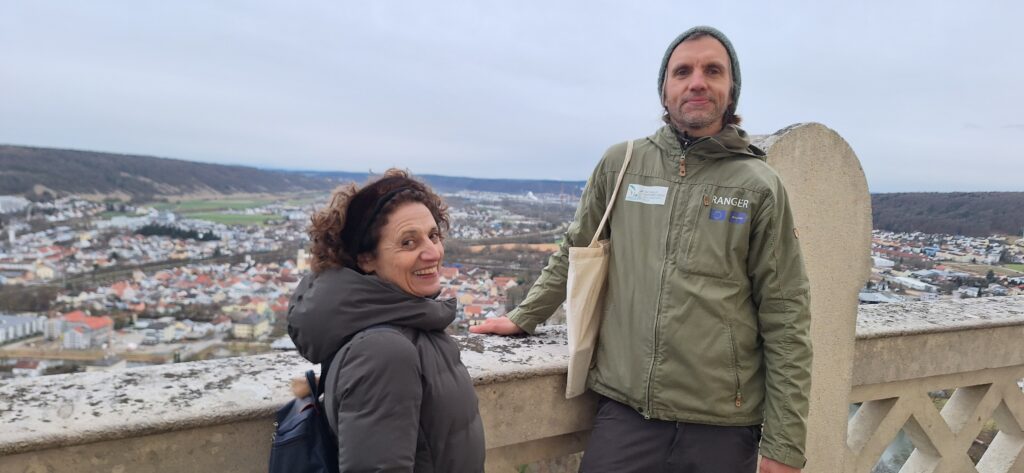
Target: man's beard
(697, 120)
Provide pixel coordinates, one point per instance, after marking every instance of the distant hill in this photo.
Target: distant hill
(959, 213)
(34, 171)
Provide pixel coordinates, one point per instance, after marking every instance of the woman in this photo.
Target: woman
(398, 396)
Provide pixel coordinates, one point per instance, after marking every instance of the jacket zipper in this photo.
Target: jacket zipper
(657, 309)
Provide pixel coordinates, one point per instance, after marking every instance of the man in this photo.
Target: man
(705, 327)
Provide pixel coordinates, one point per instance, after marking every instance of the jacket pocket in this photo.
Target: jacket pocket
(720, 236)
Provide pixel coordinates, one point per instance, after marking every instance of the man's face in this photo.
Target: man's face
(697, 85)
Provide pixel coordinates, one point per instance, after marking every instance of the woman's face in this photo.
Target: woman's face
(409, 251)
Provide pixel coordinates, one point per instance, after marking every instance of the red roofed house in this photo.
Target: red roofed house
(222, 323)
(82, 332)
(280, 306)
(28, 368)
(474, 314)
(124, 290)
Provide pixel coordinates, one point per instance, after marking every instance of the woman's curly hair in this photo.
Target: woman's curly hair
(350, 224)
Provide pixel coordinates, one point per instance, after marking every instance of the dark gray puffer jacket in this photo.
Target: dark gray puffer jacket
(401, 400)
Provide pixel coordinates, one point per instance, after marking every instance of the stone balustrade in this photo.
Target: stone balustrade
(906, 351)
(217, 415)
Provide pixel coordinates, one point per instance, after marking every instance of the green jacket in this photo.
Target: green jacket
(706, 315)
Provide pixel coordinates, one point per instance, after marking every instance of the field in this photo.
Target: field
(212, 210)
(1010, 270)
(232, 219)
(539, 247)
(196, 206)
(109, 214)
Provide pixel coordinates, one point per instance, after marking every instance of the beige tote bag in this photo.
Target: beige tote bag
(588, 274)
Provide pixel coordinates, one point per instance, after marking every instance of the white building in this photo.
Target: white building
(880, 262)
(14, 327)
(130, 223)
(911, 283)
(12, 203)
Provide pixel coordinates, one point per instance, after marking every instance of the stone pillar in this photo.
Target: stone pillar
(829, 196)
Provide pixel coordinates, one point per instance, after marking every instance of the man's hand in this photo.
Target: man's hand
(497, 326)
(771, 466)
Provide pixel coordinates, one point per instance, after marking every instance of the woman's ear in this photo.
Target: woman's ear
(367, 263)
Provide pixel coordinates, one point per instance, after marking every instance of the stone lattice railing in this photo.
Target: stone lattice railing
(906, 351)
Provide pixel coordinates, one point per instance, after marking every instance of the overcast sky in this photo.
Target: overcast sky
(927, 93)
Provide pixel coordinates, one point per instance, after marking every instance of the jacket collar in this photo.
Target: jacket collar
(731, 141)
(328, 308)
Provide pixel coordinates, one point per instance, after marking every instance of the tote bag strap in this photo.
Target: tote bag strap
(615, 193)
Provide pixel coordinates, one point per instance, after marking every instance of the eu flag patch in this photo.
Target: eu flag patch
(717, 214)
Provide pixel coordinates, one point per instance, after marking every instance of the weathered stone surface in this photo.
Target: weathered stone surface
(912, 318)
(87, 407)
(493, 359)
(898, 342)
(51, 411)
(832, 208)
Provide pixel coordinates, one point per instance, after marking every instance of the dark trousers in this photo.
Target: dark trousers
(622, 441)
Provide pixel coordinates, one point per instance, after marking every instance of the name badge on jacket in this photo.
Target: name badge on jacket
(650, 195)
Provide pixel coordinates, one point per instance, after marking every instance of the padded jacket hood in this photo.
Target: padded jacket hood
(327, 309)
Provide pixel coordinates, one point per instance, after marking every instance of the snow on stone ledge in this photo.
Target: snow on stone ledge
(61, 410)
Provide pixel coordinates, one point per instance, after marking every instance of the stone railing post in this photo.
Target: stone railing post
(829, 196)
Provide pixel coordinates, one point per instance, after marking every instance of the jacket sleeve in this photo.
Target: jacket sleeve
(549, 291)
(379, 399)
(781, 293)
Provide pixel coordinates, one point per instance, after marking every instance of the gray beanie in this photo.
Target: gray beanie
(734, 63)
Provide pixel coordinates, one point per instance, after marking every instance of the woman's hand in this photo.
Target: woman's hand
(300, 387)
(498, 326)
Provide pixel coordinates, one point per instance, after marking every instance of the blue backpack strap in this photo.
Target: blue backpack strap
(314, 387)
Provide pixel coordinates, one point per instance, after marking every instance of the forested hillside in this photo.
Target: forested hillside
(40, 172)
(963, 213)
(34, 171)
